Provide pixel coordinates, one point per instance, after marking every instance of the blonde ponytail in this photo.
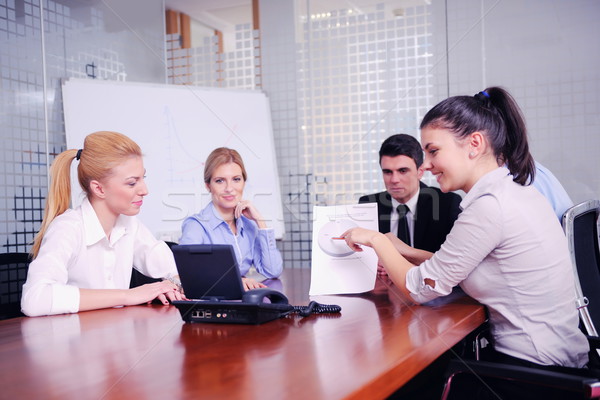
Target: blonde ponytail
(59, 194)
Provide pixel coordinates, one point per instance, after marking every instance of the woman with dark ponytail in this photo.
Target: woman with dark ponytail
(506, 249)
(83, 257)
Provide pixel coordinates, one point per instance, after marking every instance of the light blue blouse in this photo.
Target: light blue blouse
(550, 187)
(252, 246)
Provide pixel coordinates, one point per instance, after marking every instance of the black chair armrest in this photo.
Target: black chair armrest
(594, 341)
(581, 381)
(594, 354)
(139, 279)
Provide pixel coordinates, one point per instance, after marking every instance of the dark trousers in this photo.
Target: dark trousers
(428, 384)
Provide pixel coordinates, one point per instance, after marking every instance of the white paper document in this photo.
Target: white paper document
(336, 269)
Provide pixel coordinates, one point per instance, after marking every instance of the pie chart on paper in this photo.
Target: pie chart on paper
(332, 229)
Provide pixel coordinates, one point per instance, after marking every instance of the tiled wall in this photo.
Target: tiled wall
(205, 66)
(338, 85)
(350, 81)
(95, 39)
(354, 80)
(547, 54)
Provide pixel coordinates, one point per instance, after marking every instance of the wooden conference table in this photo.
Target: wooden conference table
(146, 352)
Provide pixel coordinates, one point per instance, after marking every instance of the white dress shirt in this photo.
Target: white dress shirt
(508, 251)
(75, 253)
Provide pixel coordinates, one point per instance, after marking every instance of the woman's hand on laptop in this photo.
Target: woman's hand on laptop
(250, 283)
(163, 291)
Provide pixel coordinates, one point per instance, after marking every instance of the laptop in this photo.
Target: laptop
(208, 271)
(213, 285)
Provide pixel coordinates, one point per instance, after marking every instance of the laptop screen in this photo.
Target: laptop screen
(208, 271)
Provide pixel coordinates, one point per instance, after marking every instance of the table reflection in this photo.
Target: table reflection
(95, 350)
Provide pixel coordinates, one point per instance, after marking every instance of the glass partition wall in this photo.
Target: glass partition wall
(42, 43)
(340, 79)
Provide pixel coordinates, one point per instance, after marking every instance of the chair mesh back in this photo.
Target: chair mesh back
(13, 273)
(587, 258)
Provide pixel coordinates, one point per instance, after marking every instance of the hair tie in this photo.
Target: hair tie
(78, 156)
(481, 96)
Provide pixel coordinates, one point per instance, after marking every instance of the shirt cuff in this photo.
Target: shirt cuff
(419, 291)
(269, 235)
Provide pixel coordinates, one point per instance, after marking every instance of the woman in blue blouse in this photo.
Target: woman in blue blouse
(229, 219)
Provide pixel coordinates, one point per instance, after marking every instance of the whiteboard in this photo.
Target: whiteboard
(177, 127)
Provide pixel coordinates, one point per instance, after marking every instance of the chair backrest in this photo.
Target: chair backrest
(13, 274)
(580, 224)
(139, 279)
(170, 244)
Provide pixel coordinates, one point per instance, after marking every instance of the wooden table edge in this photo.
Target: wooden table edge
(387, 383)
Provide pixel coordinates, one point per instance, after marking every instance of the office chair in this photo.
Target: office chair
(139, 279)
(580, 224)
(13, 274)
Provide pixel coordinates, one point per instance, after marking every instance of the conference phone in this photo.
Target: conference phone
(210, 275)
(256, 307)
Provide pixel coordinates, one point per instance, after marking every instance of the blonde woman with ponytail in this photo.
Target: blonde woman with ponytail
(83, 257)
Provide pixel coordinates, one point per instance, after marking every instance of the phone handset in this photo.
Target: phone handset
(258, 296)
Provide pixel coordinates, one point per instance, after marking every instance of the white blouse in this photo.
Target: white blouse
(508, 251)
(75, 253)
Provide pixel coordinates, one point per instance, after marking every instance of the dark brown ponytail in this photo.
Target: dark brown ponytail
(495, 113)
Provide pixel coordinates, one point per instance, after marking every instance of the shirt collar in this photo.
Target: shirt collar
(411, 203)
(93, 228)
(483, 185)
(217, 220)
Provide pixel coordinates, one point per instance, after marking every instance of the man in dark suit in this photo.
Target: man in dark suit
(429, 213)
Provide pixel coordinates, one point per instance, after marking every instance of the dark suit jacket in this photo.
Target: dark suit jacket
(436, 213)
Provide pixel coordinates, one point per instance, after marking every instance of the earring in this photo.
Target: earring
(472, 154)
